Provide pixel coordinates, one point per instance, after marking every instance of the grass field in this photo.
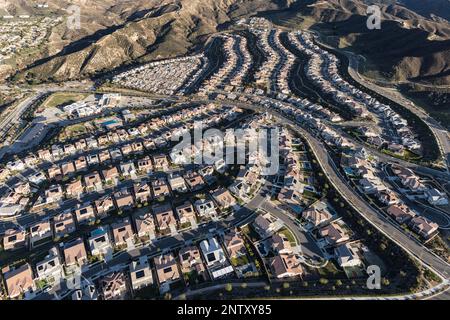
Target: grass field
(288, 234)
(62, 98)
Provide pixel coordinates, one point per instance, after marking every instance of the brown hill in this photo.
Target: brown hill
(138, 30)
(409, 47)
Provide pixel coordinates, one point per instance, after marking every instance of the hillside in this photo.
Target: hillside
(140, 30)
(412, 45)
(415, 37)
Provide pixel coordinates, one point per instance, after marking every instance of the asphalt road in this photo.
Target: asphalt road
(412, 246)
(121, 260)
(438, 130)
(308, 244)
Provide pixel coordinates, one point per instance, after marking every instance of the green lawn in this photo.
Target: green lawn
(329, 270)
(239, 261)
(61, 98)
(289, 235)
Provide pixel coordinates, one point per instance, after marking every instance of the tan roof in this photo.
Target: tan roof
(75, 252)
(193, 179)
(316, 216)
(84, 212)
(123, 198)
(13, 237)
(185, 211)
(234, 243)
(262, 221)
(224, 198)
(67, 168)
(424, 226)
(145, 164)
(74, 187)
(54, 171)
(19, 281)
(142, 191)
(160, 161)
(80, 163)
(145, 223)
(104, 204)
(281, 243)
(166, 268)
(286, 265)
(63, 222)
(122, 231)
(114, 286)
(40, 226)
(334, 233)
(110, 173)
(164, 216)
(400, 212)
(160, 187)
(190, 258)
(92, 179)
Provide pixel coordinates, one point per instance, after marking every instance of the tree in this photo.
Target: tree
(228, 287)
(323, 281)
(244, 285)
(338, 282)
(285, 285)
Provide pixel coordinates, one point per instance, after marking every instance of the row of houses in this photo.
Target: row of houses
(235, 67)
(267, 75)
(17, 35)
(210, 259)
(58, 151)
(293, 181)
(122, 200)
(357, 164)
(19, 194)
(323, 70)
(171, 76)
(416, 189)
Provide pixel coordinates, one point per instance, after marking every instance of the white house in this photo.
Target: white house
(213, 252)
(435, 197)
(99, 242)
(347, 255)
(50, 268)
(140, 273)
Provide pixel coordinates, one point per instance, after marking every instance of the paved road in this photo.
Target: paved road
(308, 244)
(387, 158)
(241, 217)
(440, 133)
(14, 115)
(438, 130)
(390, 230)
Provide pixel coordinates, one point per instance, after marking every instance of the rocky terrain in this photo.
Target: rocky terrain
(117, 32)
(413, 44)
